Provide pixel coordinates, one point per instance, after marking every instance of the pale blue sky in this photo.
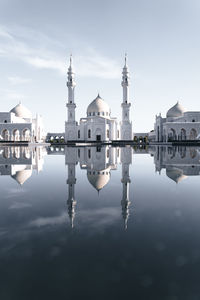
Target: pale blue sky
(162, 39)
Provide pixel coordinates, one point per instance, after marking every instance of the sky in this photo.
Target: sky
(161, 38)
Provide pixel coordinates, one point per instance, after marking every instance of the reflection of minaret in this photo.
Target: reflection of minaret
(70, 160)
(71, 202)
(126, 161)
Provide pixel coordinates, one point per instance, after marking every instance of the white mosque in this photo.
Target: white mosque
(98, 125)
(178, 125)
(19, 125)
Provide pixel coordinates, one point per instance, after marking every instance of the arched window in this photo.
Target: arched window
(89, 133)
(5, 121)
(107, 153)
(89, 153)
(193, 120)
(107, 133)
(193, 134)
(79, 134)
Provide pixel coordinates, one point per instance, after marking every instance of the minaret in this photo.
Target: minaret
(70, 160)
(70, 124)
(126, 161)
(126, 125)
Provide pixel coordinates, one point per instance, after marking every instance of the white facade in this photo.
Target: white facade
(98, 125)
(19, 125)
(178, 125)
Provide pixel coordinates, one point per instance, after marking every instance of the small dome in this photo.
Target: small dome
(98, 105)
(21, 111)
(175, 111)
(98, 179)
(22, 176)
(175, 174)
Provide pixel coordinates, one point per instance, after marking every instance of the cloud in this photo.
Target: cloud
(21, 44)
(20, 205)
(12, 95)
(49, 221)
(100, 217)
(18, 80)
(42, 63)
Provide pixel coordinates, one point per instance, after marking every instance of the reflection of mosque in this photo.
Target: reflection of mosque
(99, 162)
(19, 162)
(179, 162)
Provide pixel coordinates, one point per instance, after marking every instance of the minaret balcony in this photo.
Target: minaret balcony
(126, 104)
(71, 105)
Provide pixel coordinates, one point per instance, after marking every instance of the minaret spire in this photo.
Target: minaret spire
(126, 125)
(125, 60)
(70, 125)
(70, 60)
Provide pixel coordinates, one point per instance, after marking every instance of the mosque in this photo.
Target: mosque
(178, 125)
(98, 125)
(19, 125)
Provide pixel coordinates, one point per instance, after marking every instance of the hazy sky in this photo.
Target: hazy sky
(162, 39)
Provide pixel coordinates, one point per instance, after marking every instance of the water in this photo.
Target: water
(99, 223)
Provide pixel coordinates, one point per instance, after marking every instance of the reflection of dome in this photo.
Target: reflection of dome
(98, 179)
(98, 105)
(22, 176)
(175, 174)
(21, 111)
(175, 111)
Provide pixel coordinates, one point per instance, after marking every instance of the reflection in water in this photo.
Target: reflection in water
(42, 258)
(19, 162)
(99, 162)
(179, 162)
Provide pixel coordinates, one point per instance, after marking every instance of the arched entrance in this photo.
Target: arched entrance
(172, 135)
(15, 135)
(5, 135)
(98, 134)
(183, 134)
(26, 135)
(193, 134)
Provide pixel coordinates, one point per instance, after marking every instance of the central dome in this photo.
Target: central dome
(21, 111)
(99, 179)
(98, 107)
(175, 111)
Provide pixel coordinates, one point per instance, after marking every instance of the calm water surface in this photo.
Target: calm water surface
(99, 223)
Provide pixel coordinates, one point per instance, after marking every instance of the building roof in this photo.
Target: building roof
(98, 105)
(21, 111)
(175, 111)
